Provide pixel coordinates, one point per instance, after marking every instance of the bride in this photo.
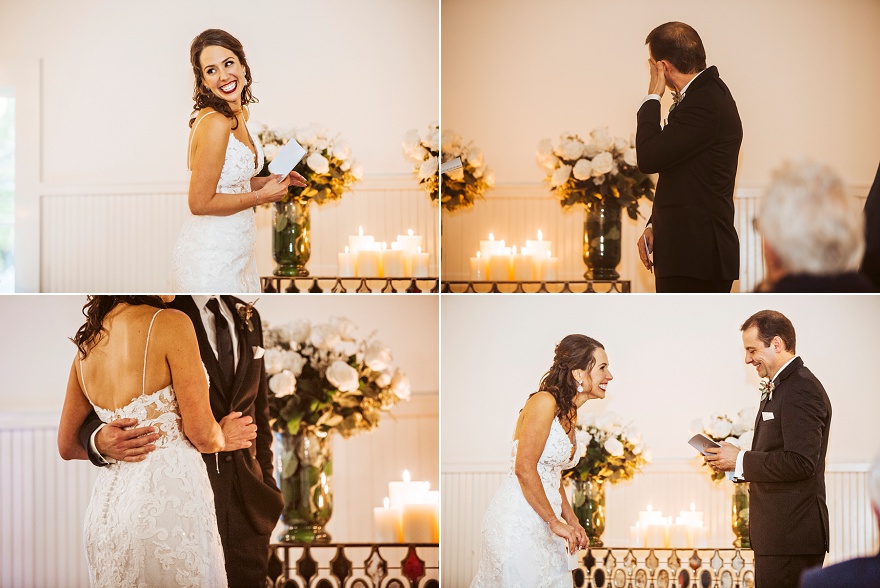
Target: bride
(215, 249)
(152, 522)
(523, 538)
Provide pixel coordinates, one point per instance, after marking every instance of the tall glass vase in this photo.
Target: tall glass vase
(740, 515)
(292, 237)
(306, 469)
(588, 504)
(602, 240)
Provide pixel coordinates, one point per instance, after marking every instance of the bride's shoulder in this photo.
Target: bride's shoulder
(542, 401)
(173, 322)
(203, 119)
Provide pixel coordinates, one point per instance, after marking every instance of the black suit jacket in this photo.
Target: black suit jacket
(254, 478)
(786, 467)
(807, 283)
(871, 260)
(863, 572)
(696, 155)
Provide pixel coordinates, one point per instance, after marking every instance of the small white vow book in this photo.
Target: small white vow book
(451, 165)
(287, 158)
(573, 562)
(700, 442)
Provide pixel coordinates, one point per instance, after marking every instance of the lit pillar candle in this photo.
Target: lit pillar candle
(701, 537)
(347, 264)
(420, 264)
(418, 522)
(369, 263)
(392, 262)
(478, 268)
(387, 524)
(403, 491)
(491, 247)
(539, 248)
(678, 536)
(499, 268)
(549, 268)
(360, 241)
(523, 266)
(410, 242)
(637, 536)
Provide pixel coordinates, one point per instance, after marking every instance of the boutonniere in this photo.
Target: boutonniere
(245, 311)
(766, 389)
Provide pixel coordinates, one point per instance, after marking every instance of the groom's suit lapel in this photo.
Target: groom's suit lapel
(188, 305)
(780, 378)
(245, 353)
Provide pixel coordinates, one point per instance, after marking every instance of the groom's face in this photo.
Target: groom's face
(764, 358)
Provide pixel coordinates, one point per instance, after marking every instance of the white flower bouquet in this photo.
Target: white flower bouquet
(423, 150)
(737, 430)
(328, 166)
(609, 450)
(460, 188)
(323, 379)
(601, 169)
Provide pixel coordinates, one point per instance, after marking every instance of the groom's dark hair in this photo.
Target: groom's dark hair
(680, 45)
(772, 324)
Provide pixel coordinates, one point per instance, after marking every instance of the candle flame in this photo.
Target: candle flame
(387, 502)
(491, 237)
(410, 232)
(406, 477)
(360, 231)
(540, 235)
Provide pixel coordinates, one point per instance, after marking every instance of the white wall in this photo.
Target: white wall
(675, 359)
(104, 88)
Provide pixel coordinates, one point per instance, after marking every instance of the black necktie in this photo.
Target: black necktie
(224, 344)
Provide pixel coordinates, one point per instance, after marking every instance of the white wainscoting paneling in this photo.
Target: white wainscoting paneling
(43, 498)
(119, 239)
(669, 487)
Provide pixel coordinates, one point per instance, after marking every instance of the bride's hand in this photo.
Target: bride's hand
(565, 531)
(297, 180)
(273, 190)
(238, 431)
(581, 534)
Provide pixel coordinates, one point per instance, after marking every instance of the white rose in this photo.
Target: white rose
(747, 415)
(321, 144)
(545, 149)
(613, 446)
(549, 163)
(583, 169)
(605, 422)
(384, 379)
(318, 163)
(282, 384)
(417, 155)
(602, 139)
(294, 362)
(489, 178)
(357, 170)
(647, 454)
(270, 151)
(590, 150)
(572, 150)
(630, 157)
(475, 156)
(324, 336)
(345, 165)
(637, 448)
(560, 176)
(602, 164)
(720, 428)
(400, 385)
(429, 167)
(412, 141)
(732, 440)
(589, 420)
(745, 440)
(345, 327)
(341, 151)
(633, 435)
(305, 136)
(377, 356)
(620, 144)
(432, 139)
(272, 360)
(583, 439)
(298, 331)
(739, 427)
(451, 141)
(342, 376)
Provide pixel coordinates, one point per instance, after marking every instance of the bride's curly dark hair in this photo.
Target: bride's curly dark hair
(574, 352)
(204, 97)
(96, 309)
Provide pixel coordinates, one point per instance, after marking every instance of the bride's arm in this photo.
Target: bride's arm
(533, 430)
(208, 156)
(572, 520)
(76, 409)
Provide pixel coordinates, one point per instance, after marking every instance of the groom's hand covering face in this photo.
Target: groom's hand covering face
(122, 443)
(657, 84)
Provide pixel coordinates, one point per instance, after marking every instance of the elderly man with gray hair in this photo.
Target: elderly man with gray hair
(814, 232)
(863, 572)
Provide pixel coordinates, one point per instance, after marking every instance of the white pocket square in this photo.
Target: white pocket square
(258, 351)
(767, 416)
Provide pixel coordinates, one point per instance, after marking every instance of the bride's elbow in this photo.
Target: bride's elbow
(198, 205)
(67, 451)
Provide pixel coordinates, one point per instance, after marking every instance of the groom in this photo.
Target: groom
(246, 497)
(690, 232)
(785, 468)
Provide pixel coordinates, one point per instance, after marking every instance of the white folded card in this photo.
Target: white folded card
(700, 442)
(451, 165)
(767, 416)
(573, 562)
(287, 158)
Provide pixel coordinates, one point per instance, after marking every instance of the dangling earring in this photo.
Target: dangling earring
(580, 387)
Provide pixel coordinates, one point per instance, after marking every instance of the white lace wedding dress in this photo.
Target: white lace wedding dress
(518, 550)
(216, 254)
(152, 523)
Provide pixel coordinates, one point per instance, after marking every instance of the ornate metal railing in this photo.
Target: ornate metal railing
(355, 565)
(612, 567)
(566, 286)
(337, 285)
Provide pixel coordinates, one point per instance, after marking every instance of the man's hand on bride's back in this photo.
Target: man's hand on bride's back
(238, 431)
(116, 441)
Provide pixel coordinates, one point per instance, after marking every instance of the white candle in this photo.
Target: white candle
(637, 536)
(523, 266)
(347, 264)
(539, 248)
(549, 268)
(500, 266)
(491, 247)
(387, 524)
(392, 263)
(369, 263)
(701, 537)
(420, 264)
(404, 491)
(410, 242)
(678, 534)
(418, 522)
(360, 241)
(478, 268)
